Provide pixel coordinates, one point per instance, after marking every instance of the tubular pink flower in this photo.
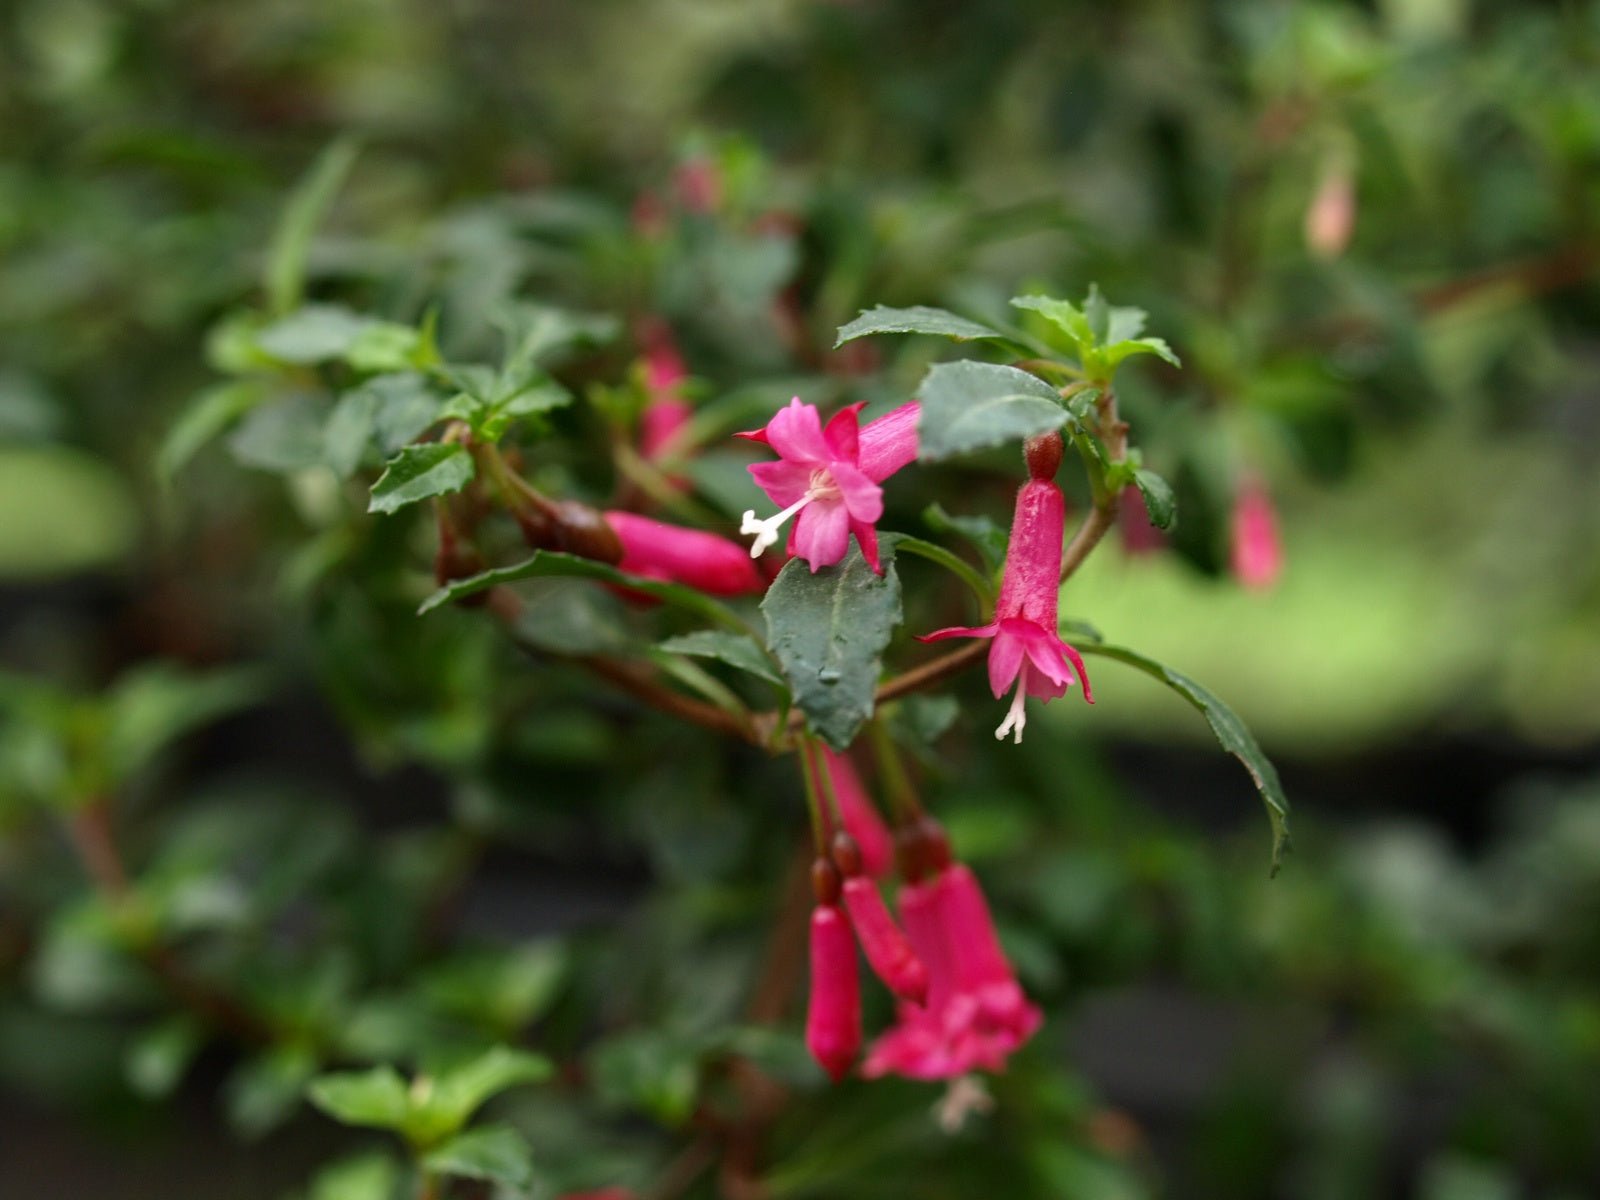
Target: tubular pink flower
(833, 1016)
(665, 411)
(888, 952)
(1257, 549)
(860, 816)
(672, 554)
(976, 1014)
(1331, 216)
(1027, 651)
(827, 479)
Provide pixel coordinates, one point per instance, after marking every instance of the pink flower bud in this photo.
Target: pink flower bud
(672, 554)
(1257, 549)
(833, 1017)
(888, 952)
(860, 816)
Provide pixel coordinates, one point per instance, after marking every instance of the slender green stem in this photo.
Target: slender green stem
(902, 796)
(819, 818)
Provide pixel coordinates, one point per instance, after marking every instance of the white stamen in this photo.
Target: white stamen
(766, 532)
(1016, 715)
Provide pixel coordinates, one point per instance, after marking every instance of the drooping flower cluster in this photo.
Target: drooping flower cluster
(826, 479)
(960, 1007)
(1027, 650)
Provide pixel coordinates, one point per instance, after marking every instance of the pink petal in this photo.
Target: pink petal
(955, 631)
(867, 539)
(821, 533)
(860, 815)
(888, 952)
(1005, 659)
(783, 482)
(1031, 585)
(842, 433)
(795, 432)
(861, 496)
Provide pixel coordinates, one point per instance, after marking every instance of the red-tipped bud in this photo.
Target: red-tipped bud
(860, 817)
(833, 1017)
(1043, 455)
(888, 952)
(825, 881)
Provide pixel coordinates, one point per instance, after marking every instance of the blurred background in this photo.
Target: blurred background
(1368, 229)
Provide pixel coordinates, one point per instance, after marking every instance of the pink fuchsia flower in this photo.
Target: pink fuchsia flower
(1027, 651)
(1257, 548)
(976, 1014)
(888, 952)
(1331, 216)
(672, 554)
(833, 1015)
(827, 479)
(666, 411)
(859, 815)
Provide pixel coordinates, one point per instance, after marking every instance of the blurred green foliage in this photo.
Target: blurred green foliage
(1391, 1016)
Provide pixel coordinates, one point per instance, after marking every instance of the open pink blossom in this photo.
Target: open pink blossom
(976, 1014)
(827, 479)
(1027, 651)
(833, 1015)
(859, 815)
(673, 554)
(1257, 549)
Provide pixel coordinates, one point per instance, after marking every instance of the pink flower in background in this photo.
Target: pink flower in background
(672, 554)
(1331, 216)
(698, 185)
(1139, 536)
(1257, 548)
(666, 412)
(1027, 650)
(860, 816)
(827, 479)
(833, 1015)
(976, 1014)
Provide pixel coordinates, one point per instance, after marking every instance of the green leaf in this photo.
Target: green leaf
(538, 333)
(282, 436)
(504, 989)
(204, 418)
(1158, 499)
(392, 409)
(980, 586)
(291, 242)
(1066, 316)
(1117, 351)
(551, 564)
(1230, 731)
(390, 346)
(157, 1059)
(971, 405)
(375, 1098)
(418, 472)
(61, 511)
(649, 1069)
(316, 333)
(457, 1093)
(372, 1176)
(496, 1153)
(735, 649)
(264, 1092)
(919, 319)
(828, 629)
(988, 538)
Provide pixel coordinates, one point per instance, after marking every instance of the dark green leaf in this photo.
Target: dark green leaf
(971, 405)
(550, 564)
(418, 472)
(349, 430)
(1230, 731)
(291, 242)
(828, 629)
(376, 1098)
(919, 319)
(648, 1069)
(987, 537)
(265, 1091)
(457, 1093)
(496, 1153)
(206, 417)
(156, 1061)
(1158, 498)
(406, 407)
(734, 649)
